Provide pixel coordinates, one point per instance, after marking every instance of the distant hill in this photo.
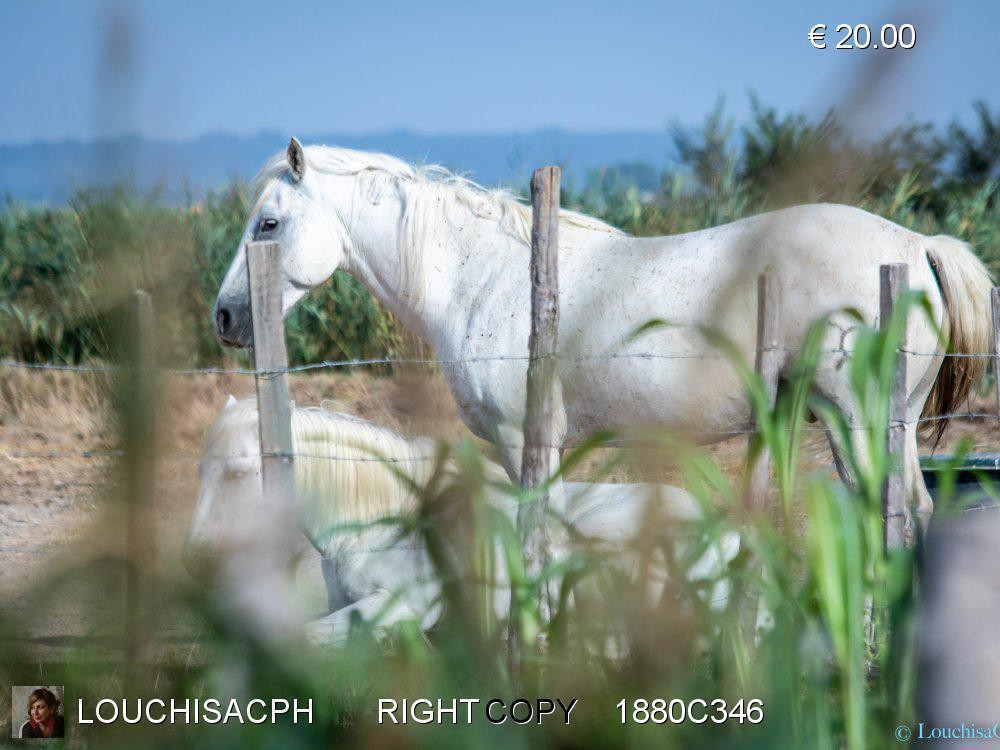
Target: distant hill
(49, 172)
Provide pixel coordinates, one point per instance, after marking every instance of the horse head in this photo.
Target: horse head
(289, 209)
(230, 491)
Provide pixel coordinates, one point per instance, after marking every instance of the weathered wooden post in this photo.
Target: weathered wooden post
(139, 391)
(893, 283)
(995, 305)
(541, 403)
(270, 358)
(766, 364)
(271, 558)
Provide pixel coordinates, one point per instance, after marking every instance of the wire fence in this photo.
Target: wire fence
(705, 436)
(394, 361)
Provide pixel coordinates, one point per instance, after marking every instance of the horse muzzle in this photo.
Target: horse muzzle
(233, 325)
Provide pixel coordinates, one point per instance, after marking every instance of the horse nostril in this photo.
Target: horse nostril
(222, 320)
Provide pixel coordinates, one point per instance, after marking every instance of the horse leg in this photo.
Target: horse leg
(848, 471)
(336, 595)
(380, 608)
(510, 445)
(918, 515)
(857, 447)
(840, 458)
(919, 505)
(916, 488)
(918, 498)
(832, 381)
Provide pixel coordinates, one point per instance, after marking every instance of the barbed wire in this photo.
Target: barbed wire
(955, 355)
(373, 361)
(361, 362)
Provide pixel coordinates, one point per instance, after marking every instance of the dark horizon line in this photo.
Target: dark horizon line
(271, 133)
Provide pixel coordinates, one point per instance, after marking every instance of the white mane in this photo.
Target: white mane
(512, 214)
(347, 470)
(433, 198)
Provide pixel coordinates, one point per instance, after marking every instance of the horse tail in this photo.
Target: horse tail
(965, 285)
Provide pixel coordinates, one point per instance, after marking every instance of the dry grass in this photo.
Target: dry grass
(56, 511)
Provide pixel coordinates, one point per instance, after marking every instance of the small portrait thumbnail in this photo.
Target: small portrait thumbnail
(36, 712)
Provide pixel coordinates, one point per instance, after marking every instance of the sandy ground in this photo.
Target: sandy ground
(60, 522)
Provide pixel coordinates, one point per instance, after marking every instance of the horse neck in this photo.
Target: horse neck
(340, 476)
(422, 279)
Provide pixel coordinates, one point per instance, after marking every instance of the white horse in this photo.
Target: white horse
(450, 260)
(349, 473)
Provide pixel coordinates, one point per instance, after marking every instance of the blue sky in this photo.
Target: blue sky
(176, 69)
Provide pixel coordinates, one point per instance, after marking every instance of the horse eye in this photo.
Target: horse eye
(268, 225)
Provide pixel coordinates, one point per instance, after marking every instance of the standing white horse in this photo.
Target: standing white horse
(352, 475)
(450, 260)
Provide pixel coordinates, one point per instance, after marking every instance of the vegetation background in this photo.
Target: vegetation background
(62, 268)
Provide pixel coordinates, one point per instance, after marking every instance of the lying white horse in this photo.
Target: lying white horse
(349, 473)
(449, 259)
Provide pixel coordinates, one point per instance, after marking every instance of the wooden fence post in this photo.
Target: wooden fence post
(139, 435)
(271, 360)
(766, 364)
(893, 282)
(541, 403)
(995, 305)
(268, 562)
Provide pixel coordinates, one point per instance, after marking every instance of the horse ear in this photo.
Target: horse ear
(231, 401)
(296, 159)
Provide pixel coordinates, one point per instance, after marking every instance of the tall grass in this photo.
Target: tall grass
(62, 271)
